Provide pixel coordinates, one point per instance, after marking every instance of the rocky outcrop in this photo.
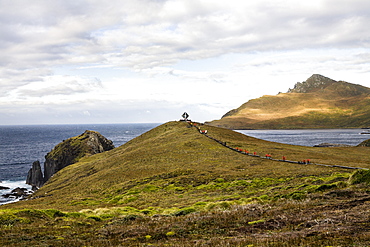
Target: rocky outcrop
(66, 153)
(364, 143)
(72, 149)
(18, 193)
(35, 177)
(314, 83)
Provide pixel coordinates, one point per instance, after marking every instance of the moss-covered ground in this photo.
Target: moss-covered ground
(173, 186)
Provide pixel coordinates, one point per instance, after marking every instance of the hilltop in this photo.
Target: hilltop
(175, 186)
(318, 102)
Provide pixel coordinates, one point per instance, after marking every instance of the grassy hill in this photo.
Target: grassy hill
(319, 102)
(175, 186)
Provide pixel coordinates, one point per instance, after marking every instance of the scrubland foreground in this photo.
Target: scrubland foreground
(173, 186)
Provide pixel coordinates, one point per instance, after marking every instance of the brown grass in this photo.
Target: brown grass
(174, 186)
(336, 106)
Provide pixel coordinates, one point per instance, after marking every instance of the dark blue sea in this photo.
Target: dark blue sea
(20, 146)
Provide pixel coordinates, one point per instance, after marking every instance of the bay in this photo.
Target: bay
(310, 137)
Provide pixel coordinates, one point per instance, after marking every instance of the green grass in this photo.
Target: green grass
(174, 186)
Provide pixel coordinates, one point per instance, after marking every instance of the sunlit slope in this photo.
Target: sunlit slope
(329, 104)
(167, 167)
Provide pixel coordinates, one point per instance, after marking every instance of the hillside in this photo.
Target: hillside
(365, 143)
(173, 185)
(319, 102)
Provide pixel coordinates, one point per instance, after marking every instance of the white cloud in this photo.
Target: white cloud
(54, 89)
(209, 53)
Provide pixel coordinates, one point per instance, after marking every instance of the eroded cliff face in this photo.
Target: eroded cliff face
(35, 177)
(314, 83)
(66, 153)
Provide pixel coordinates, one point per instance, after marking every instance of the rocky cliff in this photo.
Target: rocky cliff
(312, 84)
(35, 177)
(66, 153)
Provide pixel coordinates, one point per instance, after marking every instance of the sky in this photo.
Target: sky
(148, 61)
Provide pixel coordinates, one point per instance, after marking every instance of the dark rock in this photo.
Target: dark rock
(315, 82)
(71, 150)
(67, 153)
(17, 192)
(35, 177)
(4, 188)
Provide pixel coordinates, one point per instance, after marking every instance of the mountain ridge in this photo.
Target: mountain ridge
(318, 102)
(313, 83)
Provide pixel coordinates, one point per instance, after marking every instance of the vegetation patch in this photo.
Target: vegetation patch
(365, 143)
(180, 194)
(360, 176)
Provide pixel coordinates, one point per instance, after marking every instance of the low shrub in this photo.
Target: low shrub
(54, 213)
(296, 195)
(32, 213)
(96, 218)
(184, 211)
(360, 176)
(8, 220)
(256, 222)
(324, 187)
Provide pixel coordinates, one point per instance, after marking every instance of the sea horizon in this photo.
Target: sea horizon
(21, 145)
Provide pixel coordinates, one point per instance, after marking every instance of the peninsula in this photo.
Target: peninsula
(318, 102)
(185, 183)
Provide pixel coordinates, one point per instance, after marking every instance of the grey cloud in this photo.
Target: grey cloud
(53, 90)
(69, 87)
(143, 35)
(87, 29)
(102, 112)
(274, 29)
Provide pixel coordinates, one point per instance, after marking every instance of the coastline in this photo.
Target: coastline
(309, 137)
(12, 185)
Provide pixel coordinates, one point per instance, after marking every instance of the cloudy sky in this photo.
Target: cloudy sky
(92, 61)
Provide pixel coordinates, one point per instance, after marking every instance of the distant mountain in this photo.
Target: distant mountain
(318, 102)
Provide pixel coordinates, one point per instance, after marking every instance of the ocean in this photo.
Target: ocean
(20, 146)
(310, 137)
